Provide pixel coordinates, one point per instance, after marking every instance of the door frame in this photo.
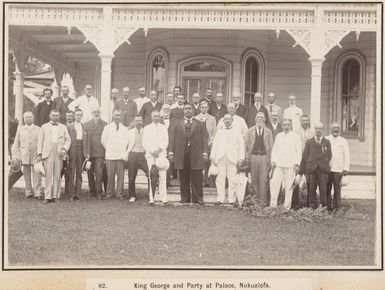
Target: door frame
(210, 58)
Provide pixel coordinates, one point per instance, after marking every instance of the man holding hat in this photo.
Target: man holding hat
(24, 151)
(52, 146)
(155, 143)
(293, 113)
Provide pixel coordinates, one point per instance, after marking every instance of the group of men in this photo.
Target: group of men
(179, 139)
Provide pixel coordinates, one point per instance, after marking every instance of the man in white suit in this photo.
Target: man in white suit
(24, 149)
(52, 146)
(340, 165)
(114, 138)
(238, 123)
(285, 160)
(135, 155)
(227, 153)
(155, 142)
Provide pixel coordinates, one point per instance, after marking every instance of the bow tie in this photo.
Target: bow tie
(54, 124)
(165, 118)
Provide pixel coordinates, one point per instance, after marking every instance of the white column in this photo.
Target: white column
(105, 86)
(56, 86)
(19, 92)
(315, 93)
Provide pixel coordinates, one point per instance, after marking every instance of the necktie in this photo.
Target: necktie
(188, 130)
(117, 126)
(54, 124)
(271, 108)
(318, 140)
(259, 132)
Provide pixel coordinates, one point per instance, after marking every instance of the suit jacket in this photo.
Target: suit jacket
(42, 113)
(199, 144)
(44, 141)
(218, 114)
(211, 125)
(316, 156)
(241, 111)
(62, 107)
(92, 141)
(234, 149)
(251, 113)
(250, 140)
(131, 136)
(128, 111)
(146, 111)
(25, 144)
(276, 131)
(196, 111)
(176, 114)
(72, 133)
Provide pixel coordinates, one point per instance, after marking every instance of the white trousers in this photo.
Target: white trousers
(162, 182)
(29, 175)
(52, 165)
(284, 176)
(226, 169)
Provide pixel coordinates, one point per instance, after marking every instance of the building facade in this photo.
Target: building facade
(324, 54)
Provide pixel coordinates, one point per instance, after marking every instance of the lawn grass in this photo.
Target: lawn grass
(115, 232)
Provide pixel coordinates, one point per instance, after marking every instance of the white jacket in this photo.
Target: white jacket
(155, 136)
(287, 150)
(340, 154)
(115, 142)
(238, 124)
(229, 143)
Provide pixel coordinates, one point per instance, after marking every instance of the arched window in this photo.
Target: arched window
(253, 71)
(157, 69)
(349, 99)
(199, 73)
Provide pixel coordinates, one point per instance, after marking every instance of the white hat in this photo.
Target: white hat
(162, 163)
(39, 167)
(213, 170)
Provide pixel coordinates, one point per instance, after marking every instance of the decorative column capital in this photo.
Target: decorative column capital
(21, 57)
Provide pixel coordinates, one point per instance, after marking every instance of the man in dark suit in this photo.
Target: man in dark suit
(61, 103)
(44, 108)
(217, 108)
(275, 126)
(150, 106)
(178, 112)
(209, 96)
(196, 98)
(189, 152)
(76, 154)
(255, 108)
(315, 164)
(95, 152)
(127, 107)
(240, 108)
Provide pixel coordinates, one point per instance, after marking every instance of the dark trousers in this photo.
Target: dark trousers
(97, 175)
(335, 181)
(191, 181)
(320, 179)
(66, 171)
(76, 162)
(135, 161)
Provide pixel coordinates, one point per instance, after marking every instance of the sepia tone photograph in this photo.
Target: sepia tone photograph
(195, 136)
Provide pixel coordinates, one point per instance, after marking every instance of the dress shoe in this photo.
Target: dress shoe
(29, 196)
(47, 201)
(55, 200)
(39, 197)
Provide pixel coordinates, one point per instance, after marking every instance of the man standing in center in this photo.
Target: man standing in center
(238, 123)
(228, 152)
(127, 107)
(61, 103)
(258, 144)
(189, 152)
(95, 152)
(114, 140)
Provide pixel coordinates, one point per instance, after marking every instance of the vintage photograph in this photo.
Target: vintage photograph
(237, 136)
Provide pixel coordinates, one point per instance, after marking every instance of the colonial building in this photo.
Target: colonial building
(324, 54)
